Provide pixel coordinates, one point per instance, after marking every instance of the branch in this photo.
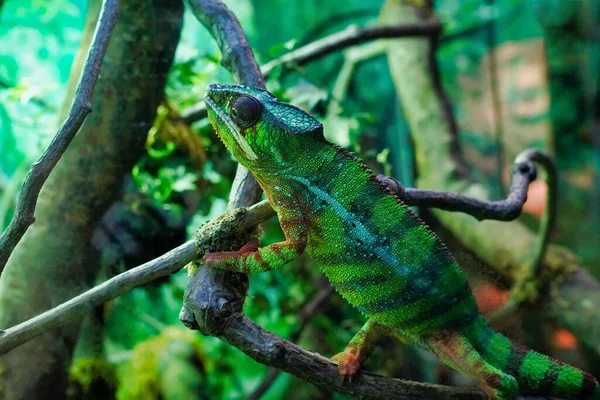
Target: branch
(220, 229)
(80, 108)
(269, 349)
(237, 56)
(350, 36)
(309, 310)
(524, 172)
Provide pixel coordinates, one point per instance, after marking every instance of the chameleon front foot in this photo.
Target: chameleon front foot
(348, 364)
(228, 259)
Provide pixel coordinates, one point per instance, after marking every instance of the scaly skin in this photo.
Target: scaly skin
(377, 254)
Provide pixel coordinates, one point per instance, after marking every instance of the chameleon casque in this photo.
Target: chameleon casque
(377, 254)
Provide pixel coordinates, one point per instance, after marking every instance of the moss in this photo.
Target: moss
(92, 378)
(141, 378)
(223, 233)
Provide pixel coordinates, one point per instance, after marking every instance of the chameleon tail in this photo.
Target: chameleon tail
(535, 373)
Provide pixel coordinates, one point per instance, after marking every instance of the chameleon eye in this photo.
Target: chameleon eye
(244, 111)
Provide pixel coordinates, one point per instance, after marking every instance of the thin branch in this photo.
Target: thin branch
(348, 37)
(80, 108)
(524, 173)
(164, 265)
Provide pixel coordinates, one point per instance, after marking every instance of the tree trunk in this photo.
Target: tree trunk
(55, 261)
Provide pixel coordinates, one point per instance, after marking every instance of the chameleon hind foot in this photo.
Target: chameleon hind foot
(348, 364)
(360, 348)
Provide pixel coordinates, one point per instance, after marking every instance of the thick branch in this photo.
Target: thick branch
(350, 36)
(80, 108)
(270, 349)
(307, 313)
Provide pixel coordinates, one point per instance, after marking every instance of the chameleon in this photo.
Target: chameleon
(379, 255)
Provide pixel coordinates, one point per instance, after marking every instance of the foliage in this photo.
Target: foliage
(92, 378)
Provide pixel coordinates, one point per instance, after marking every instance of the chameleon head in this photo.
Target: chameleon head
(261, 131)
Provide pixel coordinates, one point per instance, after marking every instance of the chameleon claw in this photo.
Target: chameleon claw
(348, 365)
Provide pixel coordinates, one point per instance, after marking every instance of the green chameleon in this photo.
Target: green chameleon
(377, 254)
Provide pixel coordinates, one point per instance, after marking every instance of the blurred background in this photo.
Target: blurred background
(518, 73)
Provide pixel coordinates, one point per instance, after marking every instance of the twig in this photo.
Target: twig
(306, 314)
(80, 108)
(350, 36)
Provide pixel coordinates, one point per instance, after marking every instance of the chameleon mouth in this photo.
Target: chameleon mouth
(241, 142)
